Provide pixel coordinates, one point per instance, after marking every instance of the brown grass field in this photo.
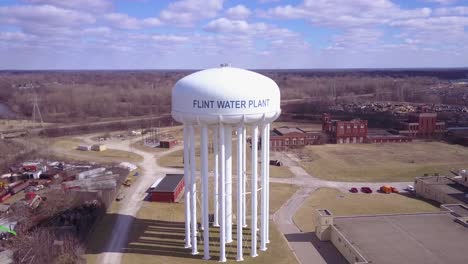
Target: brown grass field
(382, 162)
(346, 204)
(175, 160)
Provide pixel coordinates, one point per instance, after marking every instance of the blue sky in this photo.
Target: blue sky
(194, 34)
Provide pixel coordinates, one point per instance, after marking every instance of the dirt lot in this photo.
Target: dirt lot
(382, 162)
(346, 204)
(66, 147)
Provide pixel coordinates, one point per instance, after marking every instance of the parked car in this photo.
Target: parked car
(410, 188)
(353, 190)
(120, 196)
(366, 190)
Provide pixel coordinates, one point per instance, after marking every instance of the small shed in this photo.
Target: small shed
(168, 189)
(167, 143)
(98, 147)
(84, 147)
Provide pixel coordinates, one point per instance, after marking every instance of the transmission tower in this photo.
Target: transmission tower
(36, 114)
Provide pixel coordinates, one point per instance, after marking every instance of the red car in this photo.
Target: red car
(366, 190)
(353, 190)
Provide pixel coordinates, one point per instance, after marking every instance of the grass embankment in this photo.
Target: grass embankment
(346, 204)
(382, 162)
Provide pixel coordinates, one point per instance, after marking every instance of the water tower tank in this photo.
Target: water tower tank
(223, 100)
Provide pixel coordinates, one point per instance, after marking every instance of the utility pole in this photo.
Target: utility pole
(36, 114)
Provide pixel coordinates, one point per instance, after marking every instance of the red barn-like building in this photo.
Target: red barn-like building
(168, 189)
(423, 124)
(284, 138)
(345, 132)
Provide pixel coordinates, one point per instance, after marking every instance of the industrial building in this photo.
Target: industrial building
(168, 189)
(344, 132)
(417, 238)
(422, 124)
(382, 136)
(284, 138)
(443, 189)
(168, 143)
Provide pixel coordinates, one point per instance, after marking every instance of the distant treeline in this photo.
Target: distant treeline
(71, 96)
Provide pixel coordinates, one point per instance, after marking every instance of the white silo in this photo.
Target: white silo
(222, 100)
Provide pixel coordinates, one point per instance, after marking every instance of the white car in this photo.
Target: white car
(410, 188)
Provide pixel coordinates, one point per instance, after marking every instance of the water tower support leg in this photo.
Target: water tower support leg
(228, 158)
(240, 179)
(244, 182)
(187, 188)
(253, 226)
(216, 177)
(262, 192)
(268, 186)
(193, 185)
(205, 194)
(222, 196)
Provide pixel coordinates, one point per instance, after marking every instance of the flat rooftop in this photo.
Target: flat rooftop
(425, 238)
(448, 186)
(169, 183)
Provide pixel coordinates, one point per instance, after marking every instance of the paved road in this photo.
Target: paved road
(133, 200)
(302, 244)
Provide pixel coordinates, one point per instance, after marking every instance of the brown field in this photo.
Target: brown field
(346, 204)
(382, 162)
(175, 160)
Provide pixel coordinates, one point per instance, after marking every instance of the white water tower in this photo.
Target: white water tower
(222, 100)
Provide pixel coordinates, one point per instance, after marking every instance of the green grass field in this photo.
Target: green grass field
(346, 204)
(382, 162)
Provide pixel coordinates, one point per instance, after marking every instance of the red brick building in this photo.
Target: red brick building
(285, 138)
(168, 189)
(422, 124)
(382, 136)
(345, 132)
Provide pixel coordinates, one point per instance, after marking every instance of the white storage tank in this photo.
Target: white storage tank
(224, 100)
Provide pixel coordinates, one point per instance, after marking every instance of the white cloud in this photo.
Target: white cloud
(188, 12)
(452, 11)
(225, 25)
(169, 39)
(238, 12)
(43, 15)
(345, 13)
(443, 2)
(88, 5)
(15, 36)
(268, 1)
(124, 21)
